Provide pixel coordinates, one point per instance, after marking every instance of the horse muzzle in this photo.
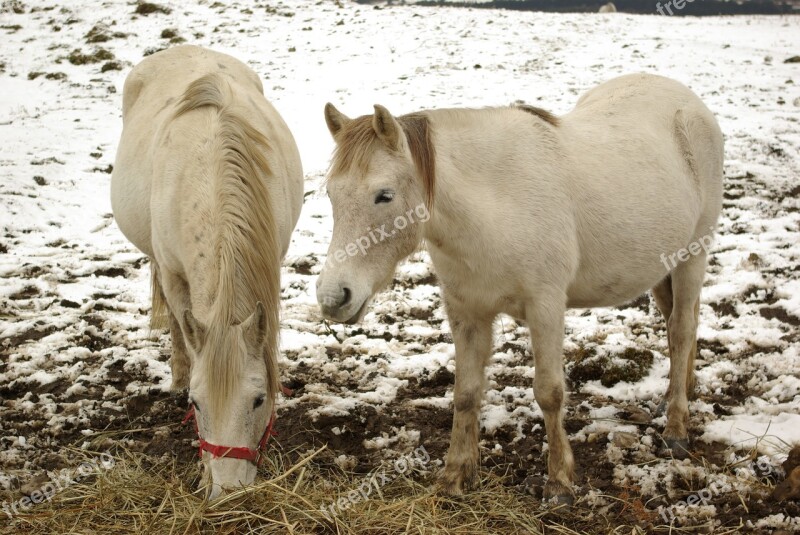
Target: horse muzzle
(340, 302)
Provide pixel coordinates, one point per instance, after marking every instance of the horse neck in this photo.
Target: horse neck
(454, 202)
(247, 266)
(474, 179)
(246, 249)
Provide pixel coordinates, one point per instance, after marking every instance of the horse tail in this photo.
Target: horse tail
(682, 130)
(159, 314)
(700, 143)
(208, 90)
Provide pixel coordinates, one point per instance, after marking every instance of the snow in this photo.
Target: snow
(769, 433)
(86, 282)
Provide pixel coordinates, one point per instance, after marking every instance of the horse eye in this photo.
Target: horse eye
(258, 402)
(384, 195)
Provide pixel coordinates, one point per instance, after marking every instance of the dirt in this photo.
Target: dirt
(630, 366)
(111, 66)
(77, 57)
(151, 423)
(147, 8)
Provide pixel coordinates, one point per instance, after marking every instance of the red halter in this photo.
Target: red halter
(252, 455)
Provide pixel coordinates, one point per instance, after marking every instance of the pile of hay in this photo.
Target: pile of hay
(303, 492)
(140, 494)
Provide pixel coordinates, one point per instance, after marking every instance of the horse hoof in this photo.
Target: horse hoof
(179, 386)
(677, 447)
(452, 482)
(562, 499)
(558, 493)
(449, 487)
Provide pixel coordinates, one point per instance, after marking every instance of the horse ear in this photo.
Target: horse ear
(255, 327)
(335, 119)
(194, 331)
(386, 126)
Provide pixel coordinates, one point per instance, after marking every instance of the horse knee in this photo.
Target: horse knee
(682, 325)
(549, 396)
(465, 401)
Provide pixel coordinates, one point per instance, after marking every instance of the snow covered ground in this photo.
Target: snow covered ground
(76, 357)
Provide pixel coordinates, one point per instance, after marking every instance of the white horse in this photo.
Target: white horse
(531, 214)
(208, 183)
(608, 8)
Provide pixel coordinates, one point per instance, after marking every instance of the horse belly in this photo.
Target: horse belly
(630, 218)
(613, 290)
(130, 203)
(623, 269)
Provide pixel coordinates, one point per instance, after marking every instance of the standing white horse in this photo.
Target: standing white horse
(208, 183)
(531, 214)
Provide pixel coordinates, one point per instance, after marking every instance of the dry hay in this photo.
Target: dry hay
(144, 494)
(140, 494)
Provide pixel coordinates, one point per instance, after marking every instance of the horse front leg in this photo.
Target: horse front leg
(546, 321)
(176, 293)
(179, 361)
(472, 337)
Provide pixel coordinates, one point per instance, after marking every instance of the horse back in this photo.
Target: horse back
(147, 156)
(646, 161)
(181, 64)
(659, 117)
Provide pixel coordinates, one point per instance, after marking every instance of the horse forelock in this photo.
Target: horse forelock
(245, 244)
(222, 364)
(357, 141)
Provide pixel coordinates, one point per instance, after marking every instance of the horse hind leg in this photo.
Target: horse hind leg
(162, 317)
(662, 294)
(179, 362)
(687, 280)
(159, 312)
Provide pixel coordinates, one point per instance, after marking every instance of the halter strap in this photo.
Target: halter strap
(253, 455)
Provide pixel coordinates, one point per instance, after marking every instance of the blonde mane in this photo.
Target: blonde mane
(245, 242)
(542, 114)
(357, 141)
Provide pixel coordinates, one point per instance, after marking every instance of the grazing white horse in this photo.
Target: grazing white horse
(531, 214)
(208, 183)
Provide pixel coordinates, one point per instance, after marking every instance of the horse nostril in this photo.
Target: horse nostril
(345, 296)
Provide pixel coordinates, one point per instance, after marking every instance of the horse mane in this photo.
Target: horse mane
(245, 242)
(357, 141)
(545, 115)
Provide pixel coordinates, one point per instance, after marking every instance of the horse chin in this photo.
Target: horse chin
(359, 314)
(214, 493)
(237, 473)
